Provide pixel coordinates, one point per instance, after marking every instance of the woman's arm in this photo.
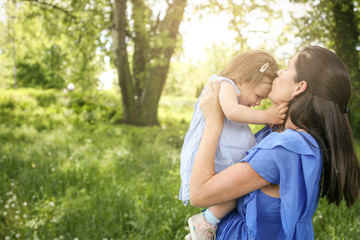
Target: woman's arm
(206, 188)
(240, 113)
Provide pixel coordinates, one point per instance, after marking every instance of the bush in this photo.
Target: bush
(33, 75)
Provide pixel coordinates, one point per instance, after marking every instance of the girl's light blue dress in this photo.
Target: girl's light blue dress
(292, 160)
(235, 139)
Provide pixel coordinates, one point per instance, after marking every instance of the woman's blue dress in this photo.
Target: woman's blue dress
(292, 160)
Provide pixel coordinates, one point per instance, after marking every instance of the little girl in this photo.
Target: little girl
(244, 82)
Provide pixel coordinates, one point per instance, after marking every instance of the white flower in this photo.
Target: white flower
(6, 206)
(76, 238)
(24, 204)
(7, 238)
(52, 204)
(70, 87)
(17, 235)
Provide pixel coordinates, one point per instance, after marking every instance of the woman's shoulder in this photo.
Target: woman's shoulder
(295, 141)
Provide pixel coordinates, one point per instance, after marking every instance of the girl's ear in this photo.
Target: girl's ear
(300, 88)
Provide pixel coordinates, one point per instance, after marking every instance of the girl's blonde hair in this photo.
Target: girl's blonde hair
(245, 67)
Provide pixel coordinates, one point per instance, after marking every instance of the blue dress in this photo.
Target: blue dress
(292, 160)
(235, 139)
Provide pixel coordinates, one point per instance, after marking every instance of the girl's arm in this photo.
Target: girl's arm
(240, 113)
(206, 188)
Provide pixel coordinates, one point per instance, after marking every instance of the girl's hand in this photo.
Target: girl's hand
(209, 104)
(276, 114)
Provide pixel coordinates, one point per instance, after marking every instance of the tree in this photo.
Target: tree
(67, 41)
(335, 24)
(151, 42)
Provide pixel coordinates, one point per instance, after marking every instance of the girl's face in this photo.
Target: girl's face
(251, 96)
(284, 86)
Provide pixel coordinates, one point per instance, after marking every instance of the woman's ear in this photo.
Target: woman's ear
(300, 88)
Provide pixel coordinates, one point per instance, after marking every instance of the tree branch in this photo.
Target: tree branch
(52, 6)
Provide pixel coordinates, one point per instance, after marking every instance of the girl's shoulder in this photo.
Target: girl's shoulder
(224, 79)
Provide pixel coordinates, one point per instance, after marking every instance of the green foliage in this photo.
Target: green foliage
(50, 109)
(30, 75)
(332, 222)
(84, 180)
(335, 24)
(64, 175)
(35, 75)
(55, 42)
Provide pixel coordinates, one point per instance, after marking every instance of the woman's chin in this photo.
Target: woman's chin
(275, 101)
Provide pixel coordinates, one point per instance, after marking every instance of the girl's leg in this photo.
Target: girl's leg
(204, 225)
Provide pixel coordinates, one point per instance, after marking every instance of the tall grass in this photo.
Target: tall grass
(68, 172)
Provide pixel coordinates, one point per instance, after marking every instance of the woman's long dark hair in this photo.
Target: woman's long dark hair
(322, 111)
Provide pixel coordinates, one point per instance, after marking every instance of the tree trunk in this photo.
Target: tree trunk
(141, 88)
(346, 36)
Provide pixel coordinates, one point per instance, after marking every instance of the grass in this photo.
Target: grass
(67, 172)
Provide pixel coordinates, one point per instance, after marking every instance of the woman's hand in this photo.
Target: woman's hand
(210, 105)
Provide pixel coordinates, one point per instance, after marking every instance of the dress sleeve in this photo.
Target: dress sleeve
(279, 154)
(224, 79)
(268, 162)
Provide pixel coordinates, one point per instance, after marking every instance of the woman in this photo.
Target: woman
(279, 182)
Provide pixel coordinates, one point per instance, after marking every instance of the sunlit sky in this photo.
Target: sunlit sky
(199, 34)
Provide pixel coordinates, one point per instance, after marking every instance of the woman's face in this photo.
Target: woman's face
(284, 86)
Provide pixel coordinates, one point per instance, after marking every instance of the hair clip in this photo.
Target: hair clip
(264, 67)
(345, 109)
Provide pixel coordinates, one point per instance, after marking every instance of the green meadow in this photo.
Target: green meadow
(69, 170)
